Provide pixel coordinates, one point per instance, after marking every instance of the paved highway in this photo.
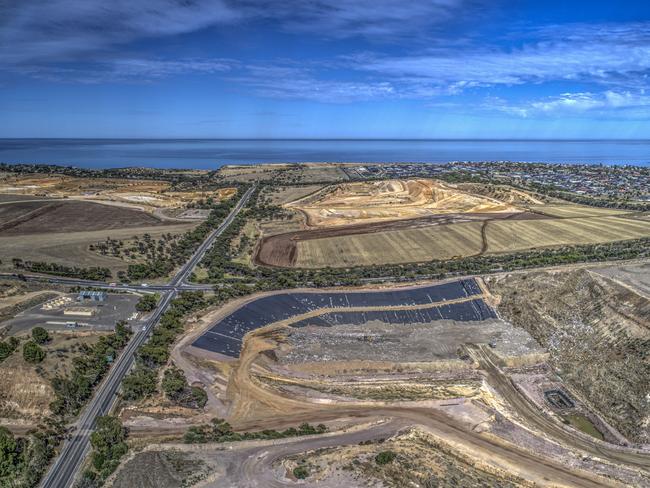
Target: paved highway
(66, 466)
(178, 282)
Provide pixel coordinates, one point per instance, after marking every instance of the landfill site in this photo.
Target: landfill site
(453, 378)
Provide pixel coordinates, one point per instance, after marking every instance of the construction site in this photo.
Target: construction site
(405, 221)
(449, 377)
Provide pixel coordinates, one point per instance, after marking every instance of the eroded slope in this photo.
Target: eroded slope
(598, 335)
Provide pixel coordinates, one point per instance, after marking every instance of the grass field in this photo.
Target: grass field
(286, 194)
(464, 239)
(411, 245)
(286, 173)
(513, 235)
(569, 211)
(71, 248)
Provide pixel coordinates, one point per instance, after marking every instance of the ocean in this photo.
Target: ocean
(213, 153)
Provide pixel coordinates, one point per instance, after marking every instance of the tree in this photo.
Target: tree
(33, 353)
(40, 335)
(174, 383)
(7, 348)
(147, 303)
(301, 472)
(109, 444)
(139, 384)
(199, 396)
(8, 453)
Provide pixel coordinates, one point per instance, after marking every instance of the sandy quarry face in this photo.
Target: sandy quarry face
(146, 194)
(376, 201)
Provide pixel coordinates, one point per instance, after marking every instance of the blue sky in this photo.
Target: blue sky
(325, 69)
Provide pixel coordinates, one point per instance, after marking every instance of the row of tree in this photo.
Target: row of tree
(73, 391)
(153, 355)
(218, 430)
(92, 273)
(181, 249)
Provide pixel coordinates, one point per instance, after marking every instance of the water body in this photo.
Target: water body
(211, 154)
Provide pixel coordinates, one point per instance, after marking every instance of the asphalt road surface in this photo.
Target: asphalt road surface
(71, 458)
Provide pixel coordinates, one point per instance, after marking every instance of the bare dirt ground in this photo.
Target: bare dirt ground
(426, 342)
(25, 389)
(486, 428)
(428, 446)
(634, 276)
(141, 193)
(54, 217)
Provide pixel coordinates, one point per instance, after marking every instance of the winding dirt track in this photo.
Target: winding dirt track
(257, 469)
(257, 407)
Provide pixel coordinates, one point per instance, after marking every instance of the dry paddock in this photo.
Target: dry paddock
(61, 231)
(71, 248)
(464, 239)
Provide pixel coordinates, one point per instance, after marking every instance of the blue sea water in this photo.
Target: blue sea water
(213, 153)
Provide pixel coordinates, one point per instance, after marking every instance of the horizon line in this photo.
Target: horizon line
(307, 139)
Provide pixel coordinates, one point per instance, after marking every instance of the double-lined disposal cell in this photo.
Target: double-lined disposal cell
(226, 336)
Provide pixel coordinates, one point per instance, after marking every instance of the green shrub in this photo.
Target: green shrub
(40, 335)
(140, 383)
(109, 445)
(385, 457)
(301, 472)
(147, 303)
(7, 348)
(174, 383)
(33, 353)
(199, 396)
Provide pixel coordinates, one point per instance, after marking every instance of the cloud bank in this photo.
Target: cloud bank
(405, 52)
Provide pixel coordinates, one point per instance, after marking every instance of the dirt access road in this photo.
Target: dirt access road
(256, 467)
(258, 407)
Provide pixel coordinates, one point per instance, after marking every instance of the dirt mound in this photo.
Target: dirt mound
(376, 201)
(418, 459)
(504, 194)
(598, 336)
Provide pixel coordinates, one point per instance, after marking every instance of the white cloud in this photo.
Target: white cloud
(290, 82)
(369, 18)
(616, 55)
(130, 70)
(611, 103)
(52, 30)
(34, 30)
